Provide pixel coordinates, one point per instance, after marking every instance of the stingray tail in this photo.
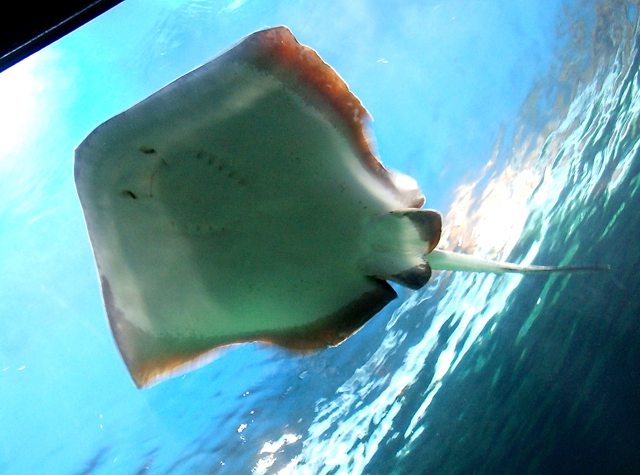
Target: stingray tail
(445, 260)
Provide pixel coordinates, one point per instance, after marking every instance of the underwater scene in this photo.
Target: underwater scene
(520, 122)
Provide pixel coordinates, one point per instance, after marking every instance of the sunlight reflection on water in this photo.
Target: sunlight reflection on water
(546, 180)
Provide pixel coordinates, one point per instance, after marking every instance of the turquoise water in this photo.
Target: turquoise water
(519, 121)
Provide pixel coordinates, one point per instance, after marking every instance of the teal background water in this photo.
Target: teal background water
(519, 121)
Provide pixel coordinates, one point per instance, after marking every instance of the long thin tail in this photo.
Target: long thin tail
(445, 260)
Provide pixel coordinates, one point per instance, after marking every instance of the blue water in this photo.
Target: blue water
(519, 121)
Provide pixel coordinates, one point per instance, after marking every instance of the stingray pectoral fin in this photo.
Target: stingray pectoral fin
(152, 355)
(334, 329)
(445, 260)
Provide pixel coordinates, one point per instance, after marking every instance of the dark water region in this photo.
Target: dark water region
(565, 399)
(554, 388)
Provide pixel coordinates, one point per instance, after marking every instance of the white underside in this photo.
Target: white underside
(249, 216)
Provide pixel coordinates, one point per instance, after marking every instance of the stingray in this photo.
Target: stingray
(243, 202)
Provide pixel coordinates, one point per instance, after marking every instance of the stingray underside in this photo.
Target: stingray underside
(232, 206)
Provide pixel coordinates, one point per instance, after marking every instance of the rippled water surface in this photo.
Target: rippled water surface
(520, 122)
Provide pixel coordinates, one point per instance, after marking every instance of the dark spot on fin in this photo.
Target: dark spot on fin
(130, 194)
(147, 150)
(336, 328)
(427, 222)
(414, 278)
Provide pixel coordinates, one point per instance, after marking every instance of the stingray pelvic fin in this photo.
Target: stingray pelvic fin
(396, 243)
(427, 223)
(414, 278)
(445, 260)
